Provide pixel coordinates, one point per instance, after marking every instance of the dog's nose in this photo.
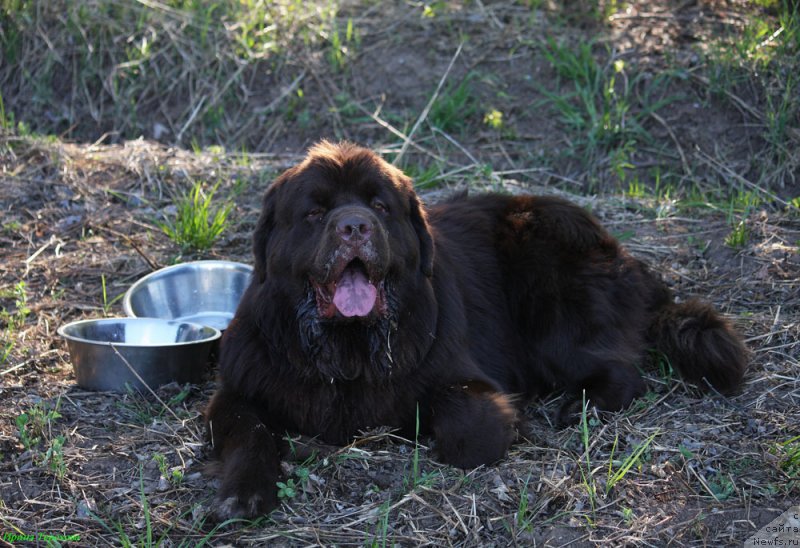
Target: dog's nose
(353, 228)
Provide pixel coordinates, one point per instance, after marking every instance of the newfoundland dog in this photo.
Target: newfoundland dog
(368, 308)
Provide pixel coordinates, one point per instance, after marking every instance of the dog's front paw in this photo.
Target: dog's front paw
(242, 505)
(475, 427)
(248, 488)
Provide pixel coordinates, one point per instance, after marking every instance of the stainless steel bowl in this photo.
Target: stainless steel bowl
(204, 292)
(105, 351)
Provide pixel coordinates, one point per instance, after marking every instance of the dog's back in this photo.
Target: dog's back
(580, 313)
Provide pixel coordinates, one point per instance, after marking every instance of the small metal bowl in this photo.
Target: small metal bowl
(106, 352)
(204, 292)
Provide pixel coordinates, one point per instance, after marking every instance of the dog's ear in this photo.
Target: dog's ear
(420, 223)
(266, 223)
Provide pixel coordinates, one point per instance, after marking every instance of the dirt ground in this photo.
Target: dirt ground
(80, 225)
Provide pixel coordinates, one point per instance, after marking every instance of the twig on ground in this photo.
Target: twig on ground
(424, 114)
(724, 170)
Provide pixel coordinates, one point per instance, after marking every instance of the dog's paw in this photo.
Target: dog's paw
(476, 427)
(248, 488)
(248, 506)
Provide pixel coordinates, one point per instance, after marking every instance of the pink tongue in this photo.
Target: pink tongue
(354, 295)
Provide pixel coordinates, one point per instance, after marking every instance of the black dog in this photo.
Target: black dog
(365, 306)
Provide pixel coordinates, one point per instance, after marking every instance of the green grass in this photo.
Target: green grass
(721, 487)
(585, 464)
(6, 120)
(142, 410)
(147, 529)
(108, 303)
(6, 347)
(780, 116)
(762, 63)
(740, 206)
(663, 366)
(735, 201)
(198, 223)
(455, 105)
(767, 37)
(12, 318)
(380, 539)
(598, 104)
(35, 424)
(54, 457)
(523, 519)
(173, 475)
(424, 177)
(788, 453)
(35, 429)
(89, 67)
(415, 479)
(341, 44)
(627, 515)
(625, 465)
(15, 319)
(617, 468)
(739, 235)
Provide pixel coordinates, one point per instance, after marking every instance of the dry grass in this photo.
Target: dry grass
(118, 469)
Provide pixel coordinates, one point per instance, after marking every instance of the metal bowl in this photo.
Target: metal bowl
(204, 292)
(110, 353)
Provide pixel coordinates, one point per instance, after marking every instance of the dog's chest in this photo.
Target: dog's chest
(338, 411)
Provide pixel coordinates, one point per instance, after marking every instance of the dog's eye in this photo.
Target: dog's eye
(315, 214)
(378, 205)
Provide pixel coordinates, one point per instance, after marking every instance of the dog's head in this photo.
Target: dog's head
(346, 224)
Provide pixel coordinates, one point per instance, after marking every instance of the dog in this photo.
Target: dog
(368, 309)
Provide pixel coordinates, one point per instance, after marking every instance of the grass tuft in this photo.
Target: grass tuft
(789, 454)
(13, 319)
(35, 430)
(602, 110)
(738, 237)
(614, 476)
(455, 106)
(197, 224)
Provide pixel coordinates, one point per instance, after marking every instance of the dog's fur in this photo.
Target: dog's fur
(459, 314)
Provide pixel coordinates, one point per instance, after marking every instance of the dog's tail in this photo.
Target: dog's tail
(700, 344)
